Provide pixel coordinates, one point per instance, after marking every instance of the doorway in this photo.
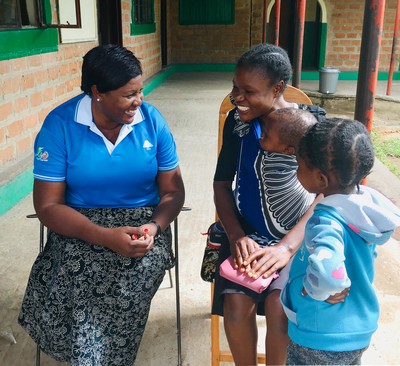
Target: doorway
(313, 29)
(110, 27)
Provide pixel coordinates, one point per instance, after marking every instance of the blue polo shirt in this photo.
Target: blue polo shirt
(70, 148)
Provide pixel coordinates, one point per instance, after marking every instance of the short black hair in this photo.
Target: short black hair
(272, 62)
(341, 146)
(108, 67)
(293, 124)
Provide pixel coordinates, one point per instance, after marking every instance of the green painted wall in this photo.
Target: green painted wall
(27, 42)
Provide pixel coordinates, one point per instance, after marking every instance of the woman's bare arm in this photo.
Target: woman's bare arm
(172, 197)
(226, 210)
(241, 245)
(48, 200)
(273, 258)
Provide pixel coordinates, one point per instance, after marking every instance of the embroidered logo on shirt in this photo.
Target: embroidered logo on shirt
(147, 145)
(41, 154)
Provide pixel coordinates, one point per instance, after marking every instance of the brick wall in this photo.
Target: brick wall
(216, 43)
(30, 87)
(145, 47)
(387, 36)
(345, 22)
(224, 43)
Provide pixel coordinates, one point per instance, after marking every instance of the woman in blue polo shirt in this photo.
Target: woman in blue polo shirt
(107, 185)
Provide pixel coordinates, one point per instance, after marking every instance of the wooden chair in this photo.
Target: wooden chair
(291, 94)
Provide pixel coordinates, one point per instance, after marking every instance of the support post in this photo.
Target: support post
(264, 35)
(394, 45)
(369, 61)
(277, 20)
(298, 43)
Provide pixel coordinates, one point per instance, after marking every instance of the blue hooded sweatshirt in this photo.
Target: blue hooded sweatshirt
(339, 251)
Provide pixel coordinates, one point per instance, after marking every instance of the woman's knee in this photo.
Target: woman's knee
(276, 317)
(239, 308)
(273, 303)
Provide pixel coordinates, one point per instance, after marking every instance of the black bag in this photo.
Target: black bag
(318, 112)
(216, 237)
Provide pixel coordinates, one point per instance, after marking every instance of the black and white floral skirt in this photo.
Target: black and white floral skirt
(88, 305)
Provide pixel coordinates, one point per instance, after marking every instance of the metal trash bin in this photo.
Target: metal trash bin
(328, 78)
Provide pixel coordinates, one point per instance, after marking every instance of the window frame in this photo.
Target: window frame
(30, 41)
(18, 25)
(142, 28)
(44, 11)
(88, 31)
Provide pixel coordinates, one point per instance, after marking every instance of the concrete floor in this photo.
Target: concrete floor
(190, 103)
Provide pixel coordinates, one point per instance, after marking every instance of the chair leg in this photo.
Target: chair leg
(41, 241)
(41, 246)
(177, 296)
(218, 355)
(215, 341)
(37, 356)
(170, 279)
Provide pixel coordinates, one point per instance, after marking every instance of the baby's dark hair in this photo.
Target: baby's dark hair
(108, 67)
(293, 124)
(340, 146)
(272, 62)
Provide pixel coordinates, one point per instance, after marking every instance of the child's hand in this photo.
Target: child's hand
(266, 261)
(339, 297)
(333, 299)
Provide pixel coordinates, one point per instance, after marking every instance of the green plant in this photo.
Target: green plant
(387, 150)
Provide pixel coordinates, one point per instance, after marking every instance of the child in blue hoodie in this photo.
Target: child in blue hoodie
(339, 248)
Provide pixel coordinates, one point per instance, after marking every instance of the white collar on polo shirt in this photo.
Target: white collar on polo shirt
(83, 115)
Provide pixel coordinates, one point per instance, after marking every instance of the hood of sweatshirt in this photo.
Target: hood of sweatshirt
(368, 213)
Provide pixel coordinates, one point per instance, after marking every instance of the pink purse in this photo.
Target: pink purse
(227, 270)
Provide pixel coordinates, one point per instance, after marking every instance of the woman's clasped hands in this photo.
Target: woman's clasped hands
(130, 241)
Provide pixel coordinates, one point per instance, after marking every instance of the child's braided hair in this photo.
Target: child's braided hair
(340, 146)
